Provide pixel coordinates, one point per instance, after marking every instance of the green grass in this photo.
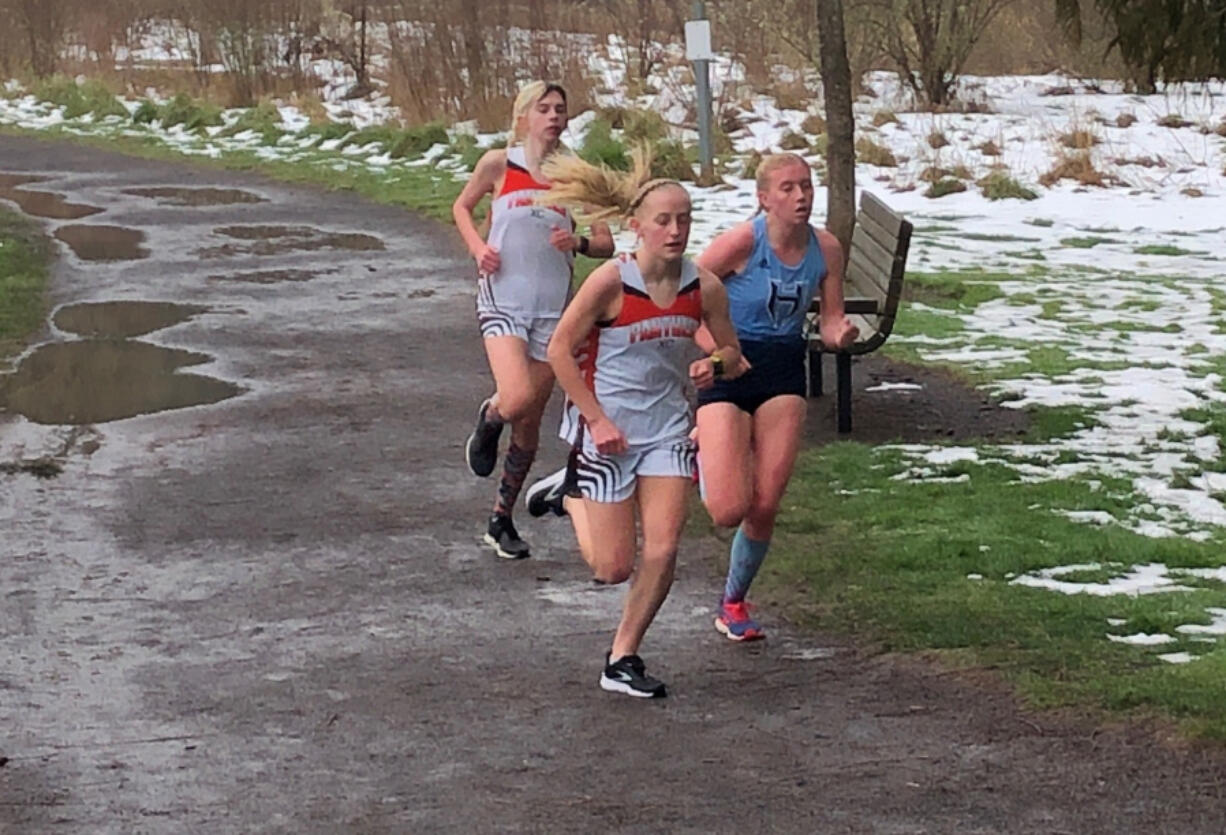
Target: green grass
(1163, 249)
(958, 290)
(263, 119)
(193, 115)
(80, 99)
(891, 567)
(600, 148)
(25, 257)
(1000, 186)
(1087, 242)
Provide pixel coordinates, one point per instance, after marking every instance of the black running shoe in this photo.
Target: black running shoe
(545, 495)
(629, 675)
(481, 450)
(504, 538)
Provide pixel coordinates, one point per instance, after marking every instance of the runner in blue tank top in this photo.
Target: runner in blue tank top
(749, 428)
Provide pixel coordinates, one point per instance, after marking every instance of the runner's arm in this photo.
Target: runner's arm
(485, 176)
(597, 300)
(725, 255)
(837, 331)
(721, 331)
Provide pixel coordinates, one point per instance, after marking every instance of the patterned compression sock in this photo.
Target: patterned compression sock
(745, 558)
(514, 472)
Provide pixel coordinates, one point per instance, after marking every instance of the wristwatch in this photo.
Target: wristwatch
(717, 366)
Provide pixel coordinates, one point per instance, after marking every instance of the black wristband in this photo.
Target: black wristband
(584, 244)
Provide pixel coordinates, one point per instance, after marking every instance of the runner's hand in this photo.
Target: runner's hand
(702, 373)
(840, 335)
(563, 241)
(488, 261)
(609, 440)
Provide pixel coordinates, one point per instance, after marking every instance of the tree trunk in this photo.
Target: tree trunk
(840, 126)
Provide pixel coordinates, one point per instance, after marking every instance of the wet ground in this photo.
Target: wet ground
(271, 613)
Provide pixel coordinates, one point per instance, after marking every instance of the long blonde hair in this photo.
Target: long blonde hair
(772, 163)
(597, 192)
(525, 100)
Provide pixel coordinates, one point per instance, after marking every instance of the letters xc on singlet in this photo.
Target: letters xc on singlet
(517, 202)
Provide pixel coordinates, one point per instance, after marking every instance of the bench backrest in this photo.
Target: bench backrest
(875, 269)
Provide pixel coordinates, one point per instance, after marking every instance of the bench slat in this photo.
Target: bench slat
(864, 280)
(887, 241)
(873, 256)
(881, 214)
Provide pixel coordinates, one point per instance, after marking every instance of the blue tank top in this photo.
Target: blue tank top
(768, 299)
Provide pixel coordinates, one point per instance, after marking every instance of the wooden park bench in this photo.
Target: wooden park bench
(872, 289)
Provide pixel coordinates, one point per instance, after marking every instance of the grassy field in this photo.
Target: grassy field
(924, 554)
(25, 256)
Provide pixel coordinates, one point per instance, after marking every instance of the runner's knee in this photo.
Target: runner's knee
(726, 513)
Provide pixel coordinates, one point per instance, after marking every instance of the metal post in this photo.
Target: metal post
(815, 373)
(843, 366)
(703, 83)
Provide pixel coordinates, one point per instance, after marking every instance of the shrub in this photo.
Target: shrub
(944, 187)
(750, 170)
(793, 142)
(1125, 120)
(1173, 120)
(146, 112)
(264, 119)
(1077, 167)
(79, 99)
(990, 149)
(191, 114)
(417, 140)
(329, 131)
(884, 117)
(937, 139)
(600, 148)
(998, 185)
(870, 152)
(1079, 139)
(669, 159)
(643, 125)
(813, 124)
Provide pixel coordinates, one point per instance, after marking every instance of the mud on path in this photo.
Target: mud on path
(271, 613)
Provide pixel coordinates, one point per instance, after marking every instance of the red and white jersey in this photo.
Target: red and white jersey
(638, 365)
(534, 277)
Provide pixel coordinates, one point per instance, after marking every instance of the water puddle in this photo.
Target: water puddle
(277, 240)
(46, 204)
(104, 243)
(99, 380)
(271, 276)
(41, 203)
(11, 180)
(192, 197)
(121, 320)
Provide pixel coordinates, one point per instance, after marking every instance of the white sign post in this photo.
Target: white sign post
(698, 50)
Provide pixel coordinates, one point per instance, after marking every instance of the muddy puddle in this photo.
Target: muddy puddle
(121, 320)
(98, 380)
(277, 240)
(103, 243)
(195, 197)
(46, 204)
(271, 276)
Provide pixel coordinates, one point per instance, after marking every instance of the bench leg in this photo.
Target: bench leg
(815, 373)
(843, 366)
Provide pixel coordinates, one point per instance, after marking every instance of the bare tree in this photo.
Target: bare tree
(840, 125)
(43, 25)
(930, 40)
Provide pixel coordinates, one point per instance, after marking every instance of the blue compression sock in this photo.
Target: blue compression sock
(744, 561)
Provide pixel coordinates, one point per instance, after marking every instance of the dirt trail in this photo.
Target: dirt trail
(271, 613)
